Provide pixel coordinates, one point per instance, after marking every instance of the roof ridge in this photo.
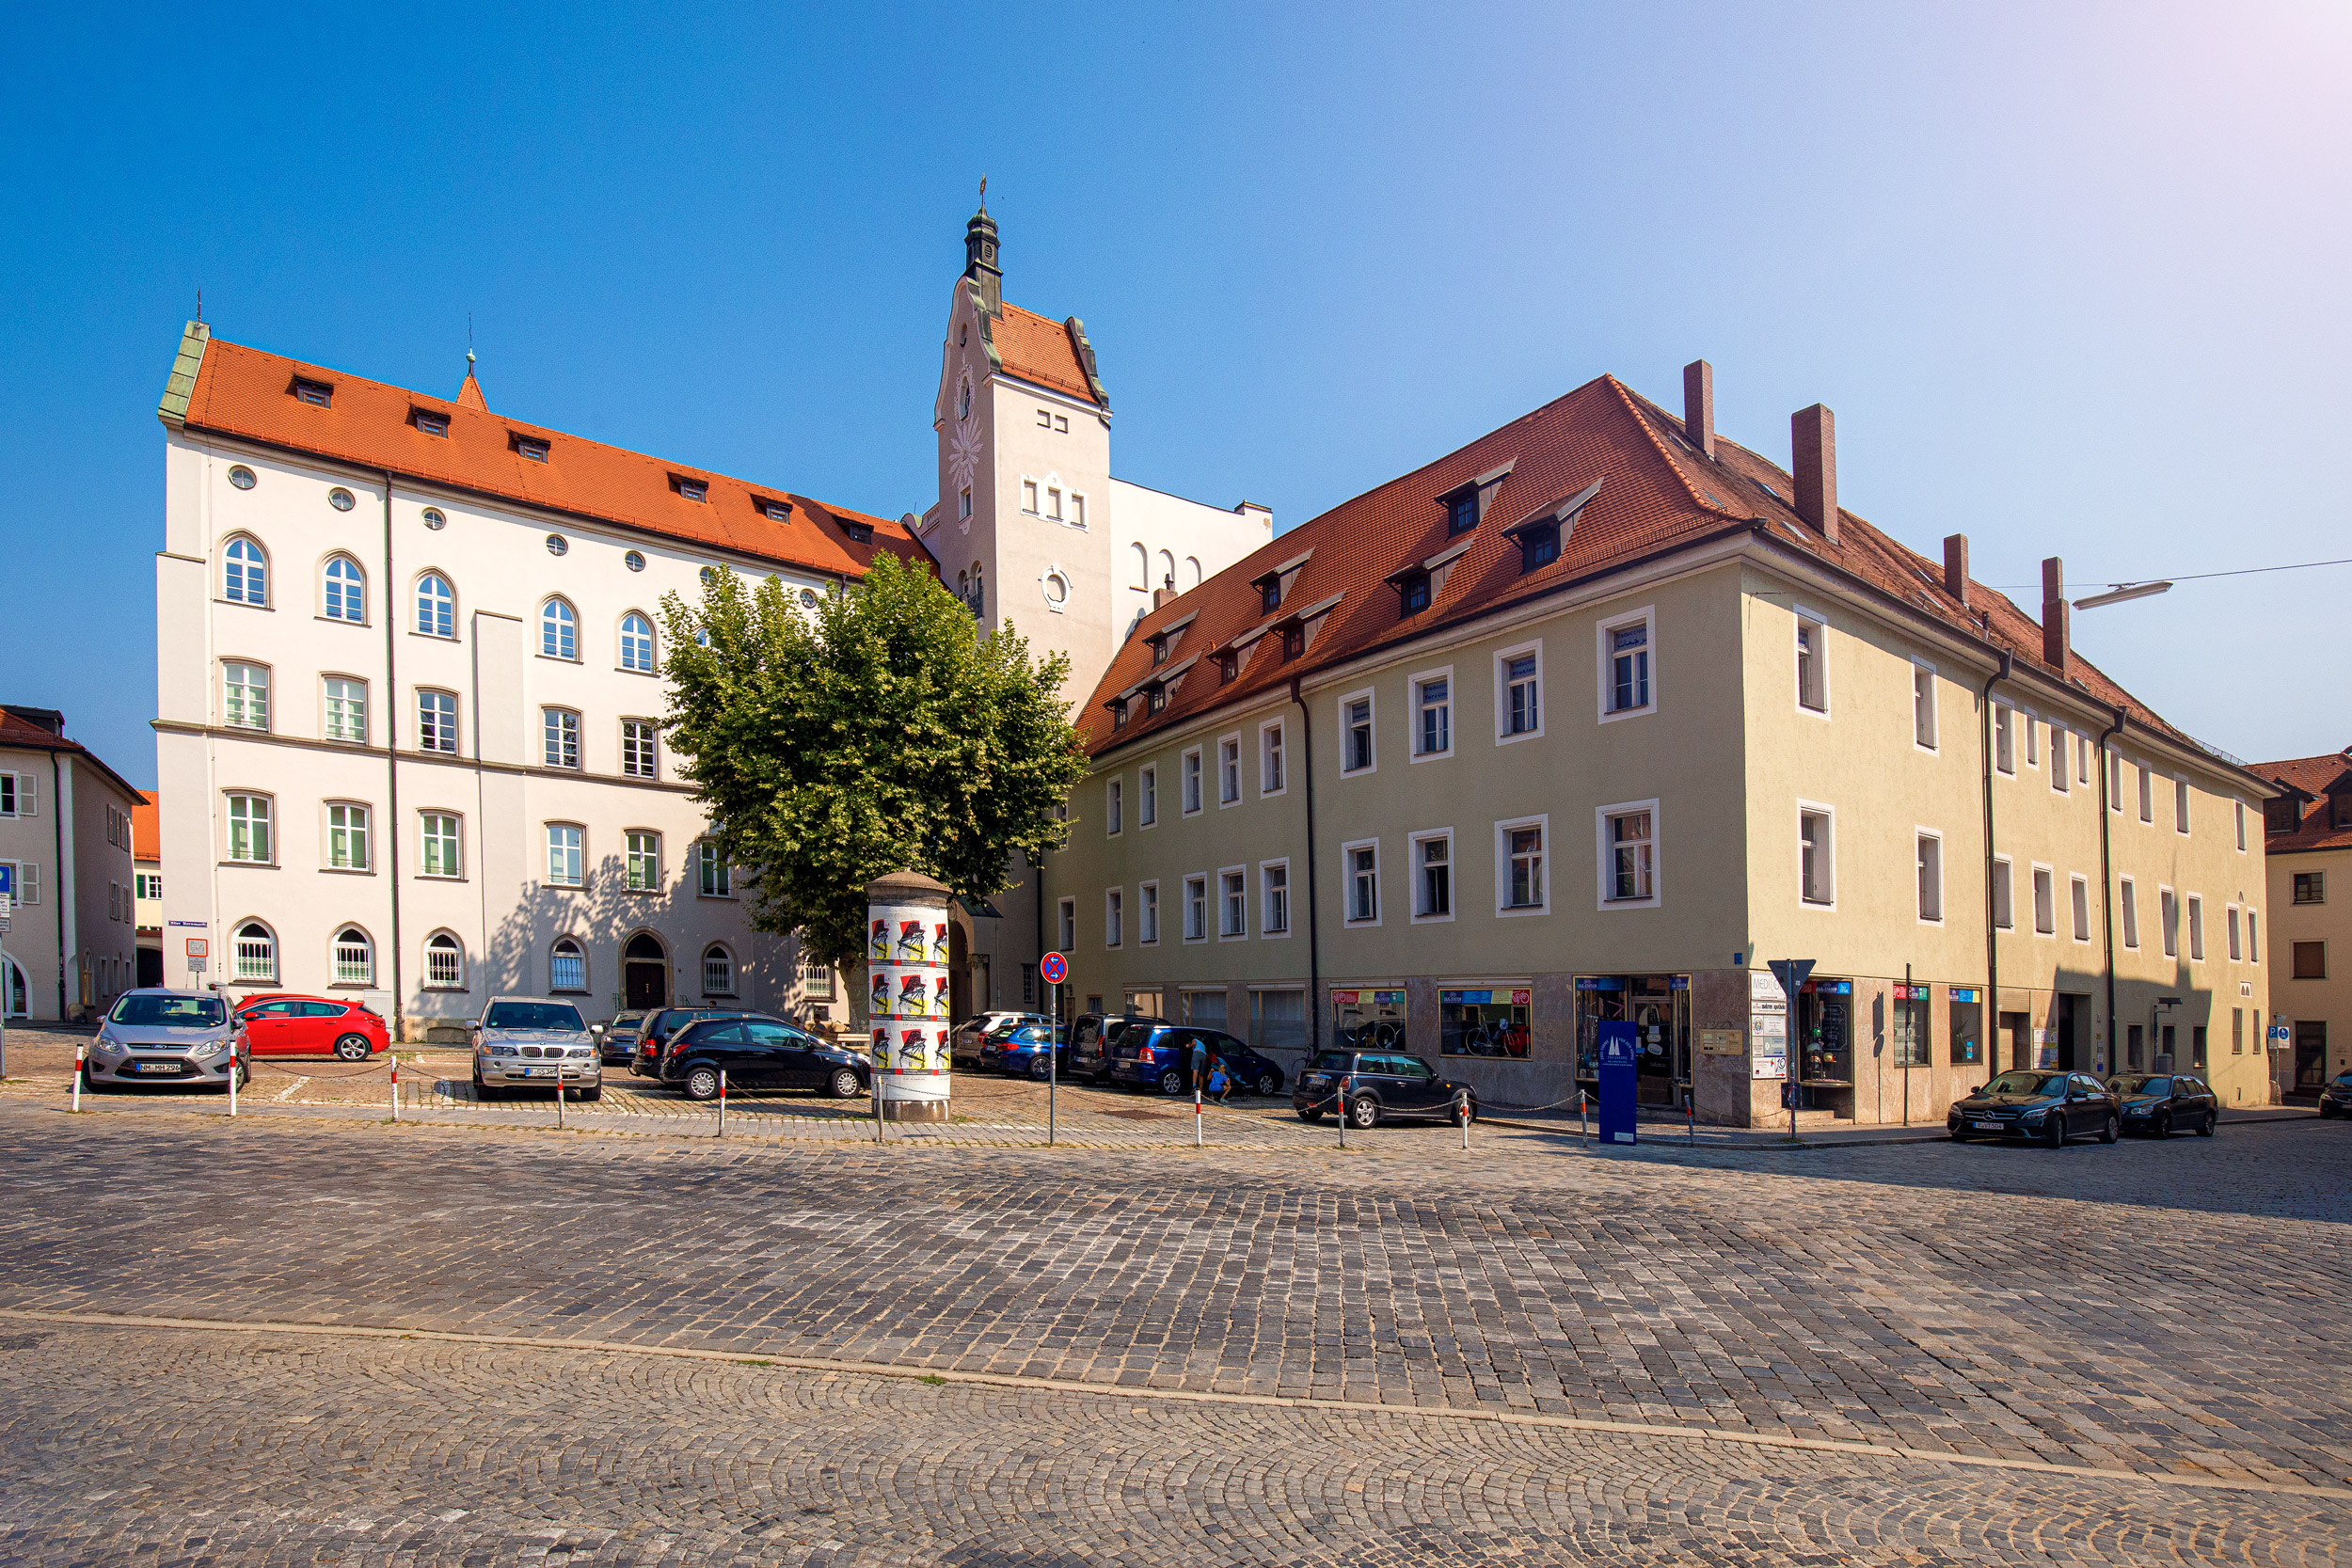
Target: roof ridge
(1698, 497)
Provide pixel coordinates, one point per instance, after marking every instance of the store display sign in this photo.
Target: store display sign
(1963, 994)
(1598, 982)
(1476, 998)
(1910, 994)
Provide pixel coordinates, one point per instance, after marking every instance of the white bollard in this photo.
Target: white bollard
(1342, 1104)
(396, 1086)
(1462, 1110)
(233, 1076)
(1195, 1115)
(1582, 1132)
(723, 1102)
(559, 1099)
(78, 1078)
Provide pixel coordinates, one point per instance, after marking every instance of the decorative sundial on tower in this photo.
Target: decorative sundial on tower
(963, 458)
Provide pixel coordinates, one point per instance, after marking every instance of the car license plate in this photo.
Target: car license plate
(1988, 1126)
(154, 1067)
(539, 1071)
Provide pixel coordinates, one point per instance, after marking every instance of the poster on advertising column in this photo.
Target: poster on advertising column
(907, 989)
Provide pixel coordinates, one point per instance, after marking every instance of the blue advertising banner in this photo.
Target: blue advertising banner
(1620, 1051)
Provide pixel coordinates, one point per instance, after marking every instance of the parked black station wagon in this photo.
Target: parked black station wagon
(760, 1054)
(2044, 1103)
(1375, 1086)
(2162, 1104)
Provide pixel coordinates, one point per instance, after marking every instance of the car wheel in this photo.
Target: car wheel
(2205, 1128)
(845, 1084)
(352, 1048)
(1957, 1135)
(1363, 1111)
(2054, 1131)
(701, 1083)
(1041, 1068)
(2108, 1130)
(2325, 1110)
(1269, 1084)
(2163, 1127)
(589, 1097)
(1171, 1082)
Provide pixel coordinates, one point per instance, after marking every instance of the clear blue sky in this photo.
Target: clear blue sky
(2073, 278)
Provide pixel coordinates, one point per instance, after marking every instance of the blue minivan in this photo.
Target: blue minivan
(1160, 1057)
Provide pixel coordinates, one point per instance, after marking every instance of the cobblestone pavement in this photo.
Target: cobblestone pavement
(2171, 1309)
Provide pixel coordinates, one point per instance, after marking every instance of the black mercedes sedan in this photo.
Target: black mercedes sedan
(2027, 1103)
(2336, 1098)
(2162, 1104)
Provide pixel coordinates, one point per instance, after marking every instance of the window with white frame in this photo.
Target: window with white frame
(1196, 909)
(560, 737)
(1812, 663)
(444, 962)
(1518, 692)
(354, 957)
(2004, 738)
(1931, 860)
(566, 863)
(641, 861)
(1433, 715)
(717, 970)
(2033, 739)
(1148, 796)
(436, 607)
(2180, 805)
(2253, 938)
(2004, 915)
(567, 966)
(1274, 907)
(437, 721)
(1271, 777)
(2196, 928)
(713, 878)
(2061, 776)
(1232, 916)
(257, 952)
(559, 630)
(347, 837)
(1627, 673)
(1523, 880)
(2082, 759)
(1114, 807)
(344, 588)
(245, 695)
(637, 644)
(437, 836)
(2079, 890)
(1067, 925)
(1816, 855)
(2044, 901)
(1147, 914)
(2240, 807)
(1355, 734)
(346, 709)
(1433, 875)
(1229, 770)
(2168, 921)
(1923, 727)
(2127, 901)
(2146, 793)
(638, 760)
(249, 823)
(1360, 893)
(1188, 772)
(2236, 949)
(1629, 854)
(244, 573)
(1114, 916)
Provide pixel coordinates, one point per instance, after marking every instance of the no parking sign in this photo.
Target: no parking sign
(1054, 968)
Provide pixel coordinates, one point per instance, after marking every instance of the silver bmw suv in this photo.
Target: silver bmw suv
(167, 1037)
(528, 1042)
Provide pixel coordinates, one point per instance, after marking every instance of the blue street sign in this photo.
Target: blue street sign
(8, 880)
(1619, 1052)
(1054, 968)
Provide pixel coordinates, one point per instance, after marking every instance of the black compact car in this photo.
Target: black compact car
(1371, 1087)
(2336, 1098)
(662, 1025)
(1159, 1056)
(2162, 1104)
(2043, 1103)
(619, 1044)
(759, 1054)
(1089, 1053)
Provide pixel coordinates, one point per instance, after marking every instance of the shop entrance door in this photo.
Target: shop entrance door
(1658, 1006)
(2311, 1055)
(2068, 1034)
(2018, 1028)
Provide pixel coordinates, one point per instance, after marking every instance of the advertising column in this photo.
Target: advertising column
(906, 995)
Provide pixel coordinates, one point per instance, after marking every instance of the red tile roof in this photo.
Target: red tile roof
(1657, 493)
(2317, 777)
(247, 393)
(27, 735)
(147, 834)
(1039, 349)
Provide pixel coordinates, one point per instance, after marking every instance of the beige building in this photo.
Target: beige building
(65, 839)
(1595, 717)
(408, 658)
(2309, 833)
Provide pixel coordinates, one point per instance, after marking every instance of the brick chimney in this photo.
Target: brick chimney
(2057, 616)
(1813, 439)
(1956, 567)
(1698, 405)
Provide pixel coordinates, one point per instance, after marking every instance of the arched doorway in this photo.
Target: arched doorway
(12, 989)
(644, 972)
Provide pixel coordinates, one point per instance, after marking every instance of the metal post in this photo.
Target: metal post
(233, 1076)
(1583, 1130)
(1690, 1119)
(1461, 1113)
(1912, 1046)
(1053, 1062)
(1195, 1115)
(1341, 1092)
(78, 1078)
(723, 1102)
(395, 1086)
(559, 1099)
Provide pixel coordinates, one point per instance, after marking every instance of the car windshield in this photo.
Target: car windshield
(169, 1012)
(2143, 1085)
(2345, 1079)
(1336, 1061)
(533, 1015)
(2028, 1082)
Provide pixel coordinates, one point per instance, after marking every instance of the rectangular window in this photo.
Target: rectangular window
(1196, 909)
(2311, 887)
(1523, 700)
(346, 711)
(1812, 678)
(1523, 880)
(2115, 783)
(2146, 793)
(2180, 805)
(2080, 891)
(245, 692)
(2004, 915)
(2197, 1045)
(531, 448)
(2128, 899)
(2237, 1031)
(1930, 877)
(1188, 769)
(2253, 938)
(1114, 910)
(567, 864)
(1077, 509)
(1274, 885)
(2168, 921)
(1816, 858)
(2033, 739)
(1923, 707)
(1433, 700)
(560, 728)
(347, 838)
(2237, 946)
(1360, 865)
(2044, 901)
(1631, 867)
(249, 828)
(2005, 738)
(1229, 770)
(1114, 804)
(1270, 776)
(1069, 925)
(2062, 777)
(438, 830)
(1148, 914)
(316, 393)
(429, 422)
(1028, 496)
(964, 502)
(645, 860)
(2196, 928)
(1148, 797)
(713, 877)
(1278, 1020)
(2311, 960)
(2082, 759)
(437, 721)
(1433, 883)
(637, 747)
(1626, 682)
(1053, 503)
(1234, 911)
(1356, 734)
(2240, 808)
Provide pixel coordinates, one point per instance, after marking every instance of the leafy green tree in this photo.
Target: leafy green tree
(877, 732)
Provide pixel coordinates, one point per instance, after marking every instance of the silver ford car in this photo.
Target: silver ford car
(167, 1036)
(528, 1042)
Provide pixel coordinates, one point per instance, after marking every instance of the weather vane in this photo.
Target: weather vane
(983, 193)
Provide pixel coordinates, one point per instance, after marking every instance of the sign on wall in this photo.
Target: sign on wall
(1768, 1027)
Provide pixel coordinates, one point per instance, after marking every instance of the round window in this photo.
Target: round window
(634, 562)
(710, 574)
(433, 519)
(1057, 588)
(557, 543)
(339, 498)
(808, 598)
(242, 477)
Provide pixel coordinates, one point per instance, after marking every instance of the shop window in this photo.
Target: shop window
(1367, 1020)
(1278, 1020)
(1658, 1006)
(1967, 1024)
(1825, 1034)
(1907, 1027)
(1491, 1023)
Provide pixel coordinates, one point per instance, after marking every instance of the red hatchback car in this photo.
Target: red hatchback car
(282, 1025)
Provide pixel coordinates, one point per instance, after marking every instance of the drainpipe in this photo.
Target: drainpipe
(1315, 942)
(2107, 883)
(1992, 930)
(392, 711)
(58, 895)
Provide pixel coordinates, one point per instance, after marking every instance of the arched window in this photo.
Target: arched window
(354, 957)
(963, 399)
(567, 966)
(637, 643)
(1192, 571)
(444, 962)
(257, 952)
(979, 587)
(1167, 571)
(717, 970)
(12, 978)
(244, 573)
(346, 590)
(436, 607)
(559, 630)
(1139, 567)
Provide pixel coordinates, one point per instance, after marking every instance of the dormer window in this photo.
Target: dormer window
(1539, 547)
(531, 448)
(1270, 596)
(1414, 595)
(428, 422)
(775, 510)
(317, 394)
(1228, 666)
(1159, 649)
(1293, 641)
(1156, 699)
(860, 533)
(1461, 512)
(2282, 814)
(1119, 712)
(691, 489)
